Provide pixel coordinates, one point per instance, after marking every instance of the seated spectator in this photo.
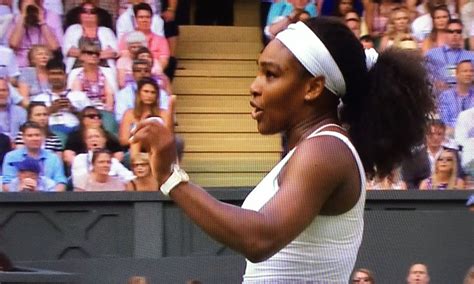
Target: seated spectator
(342, 7)
(34, 79)
(134, 40)
(445, 174)
(5, 147)
(437, 37)
(144, 181)
(63, 104)
(458, 98)
(34, 25)
(95, 139)
(391, 182)
(418, 274)
(363, 276)
(355, 23)
(469, 279)
(377, 15)
(127, 21)
(467, 16)
(38, 112)
(51, 166)
(88, 30)
(281, 10)
(11, 115)
(29, 178)
(99, 179)
(6, 17)
(73, 16)
(75, 144)
(277, 26)
(125, 98)
(8, 61)
(398, 29)
(464, 136)
(423, 24)
(143, 53)
(99, 83)
(146, 105)
(327, 7)
(158, 45)
(442, 61)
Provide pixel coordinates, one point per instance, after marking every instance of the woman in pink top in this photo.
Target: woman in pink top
(98, 179)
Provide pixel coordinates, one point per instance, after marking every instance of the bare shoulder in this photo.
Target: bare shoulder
(326, 169)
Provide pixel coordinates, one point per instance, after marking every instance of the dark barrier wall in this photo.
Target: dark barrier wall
(107, 237)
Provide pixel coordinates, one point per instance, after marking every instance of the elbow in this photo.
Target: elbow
(261, 250)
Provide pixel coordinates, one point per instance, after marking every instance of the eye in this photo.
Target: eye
(270, 75)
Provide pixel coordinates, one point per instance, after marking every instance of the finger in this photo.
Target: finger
(146, 122)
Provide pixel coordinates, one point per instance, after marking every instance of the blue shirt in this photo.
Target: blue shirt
(283, 9)
(450, 104)
(11, 120)
(52, 167)
(44, 184)
(441, 62)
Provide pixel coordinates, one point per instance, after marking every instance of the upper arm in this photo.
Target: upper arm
(316, 171)
(124, 130)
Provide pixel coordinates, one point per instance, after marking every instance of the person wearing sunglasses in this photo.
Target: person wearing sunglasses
(73, 15)
(445, 174)
(75, 144)
(98, 82)
(89, 29)
(442, 61)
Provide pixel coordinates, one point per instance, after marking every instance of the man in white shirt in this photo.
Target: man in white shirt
(63, 103)
(126, 22)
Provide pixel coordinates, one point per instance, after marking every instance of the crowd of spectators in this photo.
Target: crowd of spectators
(443, 32)
(73, 83)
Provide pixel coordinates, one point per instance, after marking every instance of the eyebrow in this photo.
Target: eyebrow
(268, 64)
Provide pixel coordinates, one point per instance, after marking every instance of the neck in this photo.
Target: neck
(462, 89)
(304, 128)
(146, 32)
(89, 68)
(100, 177)
(433, 150)
(58, 90)
(34, 153)
(443, 177)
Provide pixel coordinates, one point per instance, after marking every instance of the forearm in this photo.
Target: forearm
(49, 37)
(16, 35)
(245, 231)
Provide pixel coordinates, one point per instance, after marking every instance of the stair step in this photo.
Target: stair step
(234, 179)
(211, 86)
(215, 122)
(230, 142)
(218, 34)
(212, 104)
(229, 162)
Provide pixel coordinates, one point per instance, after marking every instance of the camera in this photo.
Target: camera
(32, 16)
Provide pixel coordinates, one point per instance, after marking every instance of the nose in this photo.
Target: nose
(255, 88)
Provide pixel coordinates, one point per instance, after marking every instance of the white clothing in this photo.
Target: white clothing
(126, 23)
(5, 20)
(464, 135)
(82, 164)
(422, 27)
(71, 39)
(8, 60)
(326, 251)
(53, 5)
(110, 77)
(78, 99)
(467, 17)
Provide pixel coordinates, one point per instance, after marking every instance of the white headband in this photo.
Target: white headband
(313, 55)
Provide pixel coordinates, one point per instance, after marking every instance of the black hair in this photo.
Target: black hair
(141, 62)
(31, 124)
(436, 123)
(55, 63)
(142, 6)
(387, 108)
(366, 38)
(455, 21)
(143, 49)
(29, 113)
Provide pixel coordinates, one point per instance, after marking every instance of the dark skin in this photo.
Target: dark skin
(321, 178)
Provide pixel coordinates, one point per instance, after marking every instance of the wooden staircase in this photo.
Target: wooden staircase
(222, 145)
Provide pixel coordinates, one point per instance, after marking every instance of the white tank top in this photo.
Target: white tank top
(326, 251)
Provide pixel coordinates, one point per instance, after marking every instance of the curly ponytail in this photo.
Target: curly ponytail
(387, 108)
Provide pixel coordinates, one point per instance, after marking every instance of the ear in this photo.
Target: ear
(314, 88)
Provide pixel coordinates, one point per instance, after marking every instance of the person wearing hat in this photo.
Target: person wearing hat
(29, 178)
